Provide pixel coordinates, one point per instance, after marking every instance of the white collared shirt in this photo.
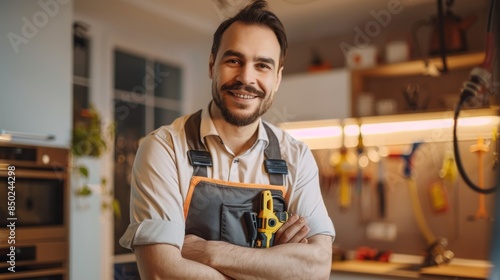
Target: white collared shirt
(161, 177)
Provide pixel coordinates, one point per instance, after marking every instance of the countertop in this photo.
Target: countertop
(405, 270)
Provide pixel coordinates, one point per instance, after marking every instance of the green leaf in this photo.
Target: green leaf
(84, 191)
(84, 171)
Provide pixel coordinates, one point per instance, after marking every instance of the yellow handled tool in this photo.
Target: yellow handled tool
(268, 221)
(480, 148)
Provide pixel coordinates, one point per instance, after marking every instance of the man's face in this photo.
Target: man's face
(245, 73)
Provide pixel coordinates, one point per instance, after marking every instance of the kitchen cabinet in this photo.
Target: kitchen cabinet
(36, 71)
(312, 96)
(384, 86)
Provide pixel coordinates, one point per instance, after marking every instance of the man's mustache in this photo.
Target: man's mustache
(241, 86)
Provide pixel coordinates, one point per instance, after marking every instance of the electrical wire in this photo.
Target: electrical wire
(458, 161)
(489, 24)
(479, 79)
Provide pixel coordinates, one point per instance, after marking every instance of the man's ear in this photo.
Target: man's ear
(278, 79)
(211, 62)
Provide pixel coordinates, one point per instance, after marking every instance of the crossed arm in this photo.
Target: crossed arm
(293, 257)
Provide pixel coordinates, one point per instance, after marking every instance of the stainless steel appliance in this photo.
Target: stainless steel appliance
(34, 197)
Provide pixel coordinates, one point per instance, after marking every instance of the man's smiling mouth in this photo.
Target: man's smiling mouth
(239, 90)
(242, 96)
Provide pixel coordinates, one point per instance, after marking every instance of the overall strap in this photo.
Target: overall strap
(192, 128)
(200, 158)
(275, 166)
(198, 155)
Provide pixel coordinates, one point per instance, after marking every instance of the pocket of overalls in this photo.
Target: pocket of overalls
(233, 228)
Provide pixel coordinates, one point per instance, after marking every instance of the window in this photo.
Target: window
(147, 95)
(81, 81)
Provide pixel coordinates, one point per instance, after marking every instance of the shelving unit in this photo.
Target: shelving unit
(387, 82)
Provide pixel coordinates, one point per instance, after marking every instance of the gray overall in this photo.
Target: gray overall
(217, 209)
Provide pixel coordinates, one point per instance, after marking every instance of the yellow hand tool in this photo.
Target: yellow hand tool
(268, 221)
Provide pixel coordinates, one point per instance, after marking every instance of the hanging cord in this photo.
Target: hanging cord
(441, 31)
(479, 79)
(423, 226)
(458, 161)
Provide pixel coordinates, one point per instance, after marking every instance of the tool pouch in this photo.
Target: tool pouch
(215, 209)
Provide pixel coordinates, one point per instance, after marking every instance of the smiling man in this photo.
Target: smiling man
(246, 72)
(199, 186)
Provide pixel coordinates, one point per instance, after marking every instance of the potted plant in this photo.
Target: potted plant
(91, 140)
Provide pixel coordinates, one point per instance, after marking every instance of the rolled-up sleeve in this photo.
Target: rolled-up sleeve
(151, 232)
(156, 204)
(320, 224)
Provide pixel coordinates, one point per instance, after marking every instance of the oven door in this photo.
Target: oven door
(36, 261)
(40, 205)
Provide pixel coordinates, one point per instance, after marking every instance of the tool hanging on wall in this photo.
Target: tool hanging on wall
(436, 252)
(381, 188)
(343, 166)
(480, 148)
(449, 174)
(362, 178)
(437, 191)
(362, 161)
(415, 201)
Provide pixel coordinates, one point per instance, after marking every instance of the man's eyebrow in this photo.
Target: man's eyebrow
(232, 53)
(267, 60)
(240, 55)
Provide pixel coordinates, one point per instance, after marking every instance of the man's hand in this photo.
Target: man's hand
(294, 230)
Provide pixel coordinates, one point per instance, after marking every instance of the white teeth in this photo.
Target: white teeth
(243, 96)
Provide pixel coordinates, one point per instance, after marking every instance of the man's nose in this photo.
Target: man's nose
(246, 75)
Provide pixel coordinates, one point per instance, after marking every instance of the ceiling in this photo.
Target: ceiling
(303, 19)
(193, 22)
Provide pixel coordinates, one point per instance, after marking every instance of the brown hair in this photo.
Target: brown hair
(256, 12)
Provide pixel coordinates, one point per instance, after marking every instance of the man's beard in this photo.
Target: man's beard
(236, 119)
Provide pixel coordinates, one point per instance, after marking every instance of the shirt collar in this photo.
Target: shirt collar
(207, 128)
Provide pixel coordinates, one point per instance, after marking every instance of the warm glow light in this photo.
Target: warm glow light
(316, 132)
(390, 127)
(473, 121)
(5, 137)
(351, 130)
(381, 130)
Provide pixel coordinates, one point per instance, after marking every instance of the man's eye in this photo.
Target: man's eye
(233, 61)
(263, 66)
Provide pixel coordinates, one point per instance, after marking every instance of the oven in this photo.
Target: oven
(34, 224)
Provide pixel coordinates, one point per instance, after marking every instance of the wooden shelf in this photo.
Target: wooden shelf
(417, 67)
(385, 81)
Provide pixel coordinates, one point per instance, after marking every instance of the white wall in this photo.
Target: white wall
(312, 96)
(35, 71)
